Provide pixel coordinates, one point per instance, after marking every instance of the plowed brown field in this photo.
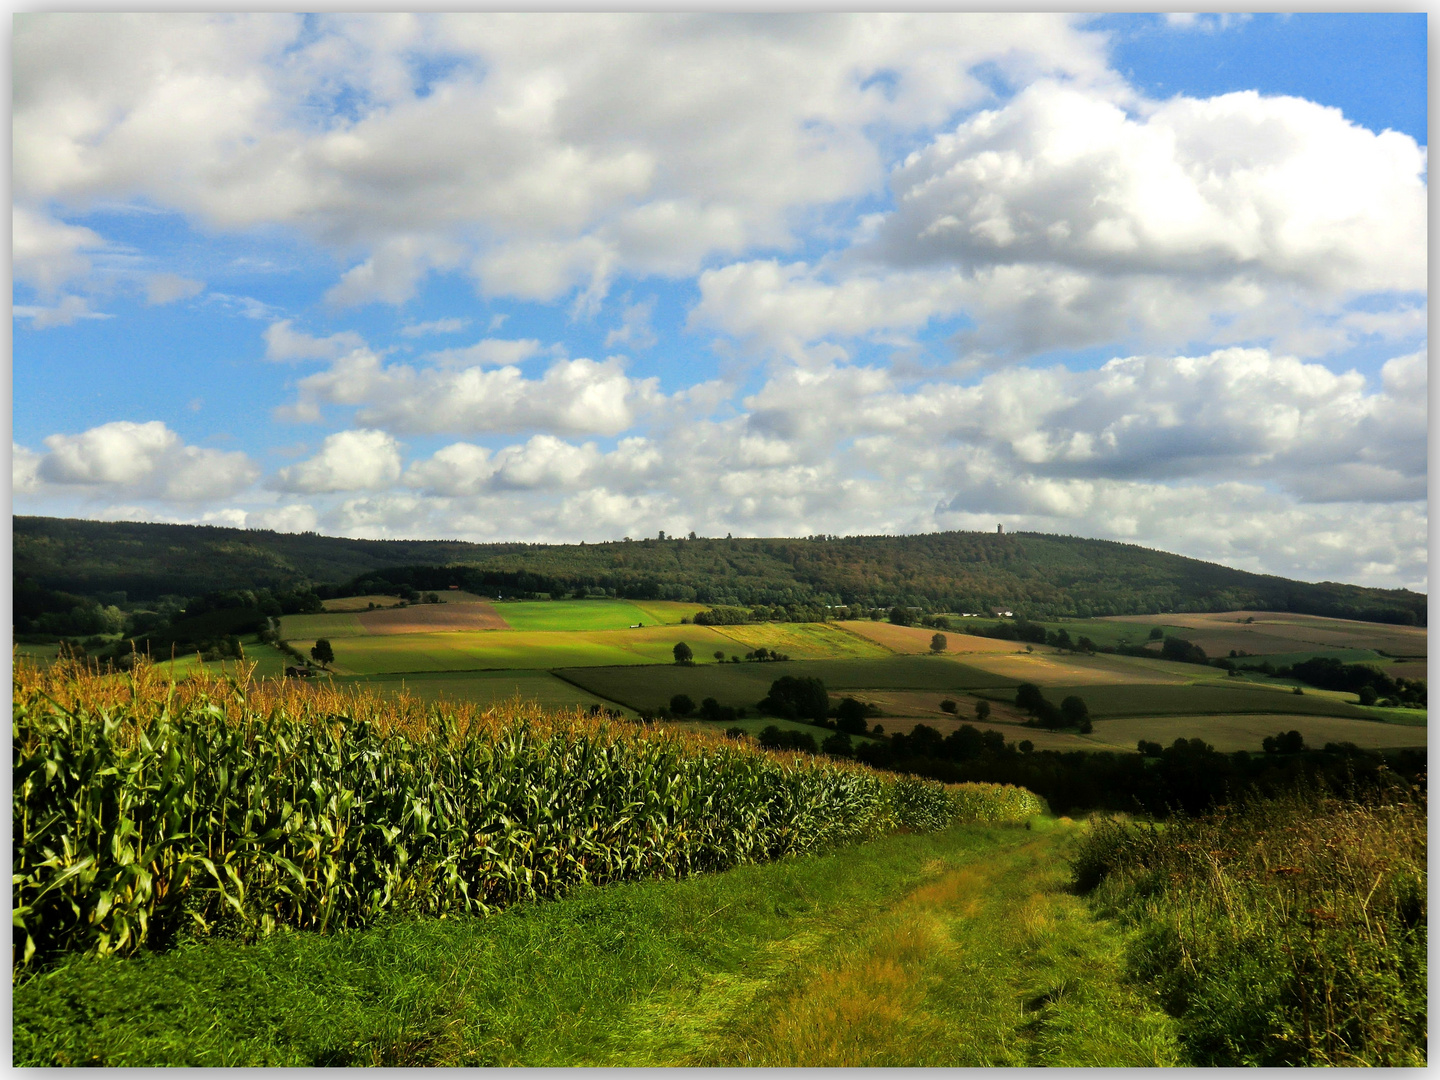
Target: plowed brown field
(432, 619)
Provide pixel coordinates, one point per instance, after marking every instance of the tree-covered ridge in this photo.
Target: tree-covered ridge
(1038, 575)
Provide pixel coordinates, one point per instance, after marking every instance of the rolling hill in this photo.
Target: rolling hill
(1038, 575)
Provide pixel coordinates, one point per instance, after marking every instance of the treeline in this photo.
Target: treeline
(1370, 684)
(211, 624)
(1189, 775)
(1035, 575)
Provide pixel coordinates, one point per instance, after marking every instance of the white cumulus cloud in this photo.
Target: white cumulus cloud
(357, 460)
(146, 459)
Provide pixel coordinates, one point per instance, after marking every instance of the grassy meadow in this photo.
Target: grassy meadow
(955, 948)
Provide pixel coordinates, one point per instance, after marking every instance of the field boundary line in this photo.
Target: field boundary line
(869, 641)
(592, 693)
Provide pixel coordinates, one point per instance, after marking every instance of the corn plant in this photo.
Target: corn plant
(147, 811)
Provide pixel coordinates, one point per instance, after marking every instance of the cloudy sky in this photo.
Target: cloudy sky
(564, 277)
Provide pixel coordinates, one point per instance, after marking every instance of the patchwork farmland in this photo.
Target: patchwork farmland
(619, 655)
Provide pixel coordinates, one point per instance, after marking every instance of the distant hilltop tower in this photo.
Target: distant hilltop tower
(1000, 529)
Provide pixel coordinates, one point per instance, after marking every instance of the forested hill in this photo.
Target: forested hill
(1034, 574)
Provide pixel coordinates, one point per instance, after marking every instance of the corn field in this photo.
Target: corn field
(148, 811)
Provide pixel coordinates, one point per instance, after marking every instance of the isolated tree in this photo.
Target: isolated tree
(1156, 633)
(939, 643)
(720, 655)
(322, 653)
(684, 655)
(682, 705)
(948, 705)
(982, 710)
(1028, 696)
(1074, 711)
(850, 716)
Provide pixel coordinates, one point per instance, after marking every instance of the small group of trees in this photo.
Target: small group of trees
(1072, 712)
(774, 737)
(797, 697)
(1185, 652)
(1284, 742)
(683, 705)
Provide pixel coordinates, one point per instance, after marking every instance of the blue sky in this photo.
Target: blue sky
(555, 277)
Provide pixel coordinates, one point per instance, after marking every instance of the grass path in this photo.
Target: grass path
(958, 948)
(990, 962)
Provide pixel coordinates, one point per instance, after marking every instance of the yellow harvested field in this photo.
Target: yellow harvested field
(1069, 669)
(432, 618)
(916, 639)
(1247, 731)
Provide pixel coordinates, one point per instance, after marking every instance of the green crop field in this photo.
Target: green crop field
(575, 614)
(667, 612)
(331, 625)
(482, 687)
(744, 684)
(938, 673)
(1246, 731)
(650, 686)
(802, 641)
(1200, 699)
(503, 649)
(1345, 656)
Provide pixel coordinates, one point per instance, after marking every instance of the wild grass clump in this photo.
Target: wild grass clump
(1283, 931)
(147, 811)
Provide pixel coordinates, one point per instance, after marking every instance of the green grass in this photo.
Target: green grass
(41, 653)
(331, 625)
(1139, 699)
(709, 970)
(937, 673)
(1100, 631)
(667, 612)
(482, 687)
(1242, 731)
(744, 684)
(1348, 656)
(649, 687)
(513, 649)
(803, 641)
(1289, 931)
(574, 614)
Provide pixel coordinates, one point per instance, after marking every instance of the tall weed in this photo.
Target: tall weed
(1281, 931)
